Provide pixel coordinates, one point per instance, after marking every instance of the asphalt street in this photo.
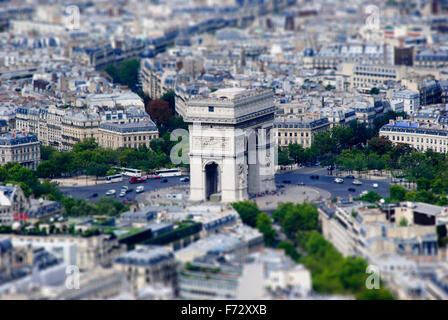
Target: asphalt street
(324, 182)
(87, 192)
(327, 183)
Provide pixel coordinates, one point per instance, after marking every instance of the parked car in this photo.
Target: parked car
(339, 180)
(140, 189)
(164, 180)
(184, 179)
(110, 192)
(314, 177)
(357, 182)
(350, 176)
(122, 193)
(301, 183)
(375, 185)
(286, 181)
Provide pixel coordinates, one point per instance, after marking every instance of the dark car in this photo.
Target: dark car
(94, 195)
(350, 176)
(286, 181)
(129, 190)
(351, 189)
(314, 177)
(164, 181)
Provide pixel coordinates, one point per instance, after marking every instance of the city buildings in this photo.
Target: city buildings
(20, 147)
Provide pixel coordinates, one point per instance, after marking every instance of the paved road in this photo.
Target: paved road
(327, 183)
(86, 192)
(324, 182)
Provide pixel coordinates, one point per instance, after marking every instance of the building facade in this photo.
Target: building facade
(20, 148)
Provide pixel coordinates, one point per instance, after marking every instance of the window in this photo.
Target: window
(211, 109)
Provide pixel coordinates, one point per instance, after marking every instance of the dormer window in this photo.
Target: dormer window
(211, 109)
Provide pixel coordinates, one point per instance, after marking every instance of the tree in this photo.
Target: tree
(397, 193)
(46, 152)
(295, 217)
(169, 97)
(264, 225)
(160, 111)
(289, 249)
(248, 212)
(380, 145)
(403, 222)
(374, 91)
(128, 74)
(297, 152)
(283, 157)
(371, 197)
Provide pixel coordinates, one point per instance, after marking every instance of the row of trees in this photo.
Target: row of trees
(328, 144)
(126, 74)
(15, 174)
(86, 157)
(252, 216)
(331, 272)
(104, 206)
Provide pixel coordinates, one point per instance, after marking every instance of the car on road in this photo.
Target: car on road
(350, 176)
(314, 177)
(356, 182)
(286, 181)
(185, 179)
(339, 180)
(301, 183)
(94, 195)
(351, 190)
(122, 193)
(164, 180)
(138, 179)
(375, 185)
(140, 189)
(110, 192)
(125, 188)
(364, 193)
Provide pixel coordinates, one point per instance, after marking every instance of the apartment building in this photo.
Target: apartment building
(300, 131)
(127, 135)
(62, 127)
(147, 265)
(418, 135)
(77, 126)
(370, 76)
(12, 204)
(20, 147)
(409, 98)
(86, 252)
(355, 229)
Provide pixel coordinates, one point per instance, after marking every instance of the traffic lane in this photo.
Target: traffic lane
(336, 189)
(101, 189)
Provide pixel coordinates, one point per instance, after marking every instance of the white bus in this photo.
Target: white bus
(131, 172)
(114, 178)
(168, 173)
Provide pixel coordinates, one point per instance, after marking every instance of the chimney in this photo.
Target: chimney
(14, 133)
(24, 133)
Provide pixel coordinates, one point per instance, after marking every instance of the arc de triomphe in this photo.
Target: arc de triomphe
(232, 144)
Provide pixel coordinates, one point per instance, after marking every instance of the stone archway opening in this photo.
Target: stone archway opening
(211, 180)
